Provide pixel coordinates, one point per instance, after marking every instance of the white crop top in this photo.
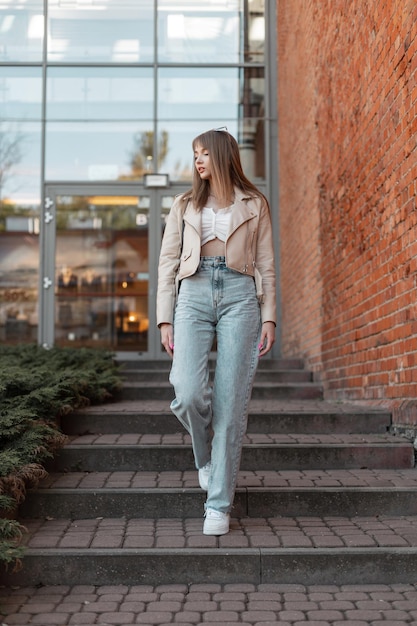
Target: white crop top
(215, 224)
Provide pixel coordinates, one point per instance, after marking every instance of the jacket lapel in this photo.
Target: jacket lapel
(193, 217)
(242, 212)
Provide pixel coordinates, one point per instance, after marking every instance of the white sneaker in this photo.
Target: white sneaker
(216, 523)
(204, 475)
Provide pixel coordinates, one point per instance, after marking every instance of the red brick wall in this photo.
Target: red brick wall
(347, 107)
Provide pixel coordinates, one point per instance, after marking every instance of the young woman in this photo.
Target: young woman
(216, 280)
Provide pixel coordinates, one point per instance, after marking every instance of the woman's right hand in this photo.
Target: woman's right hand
(167, 338)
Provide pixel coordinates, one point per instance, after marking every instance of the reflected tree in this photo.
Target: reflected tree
(142, 158)
(182, 172)
(71, 206)
(10, 155)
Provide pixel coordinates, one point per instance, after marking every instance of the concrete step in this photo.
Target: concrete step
(281, 550)
(258, 494)
(123, 506)
(264, 416)
(263, 375)
(135, 452)
(165, 364)
(261, 390)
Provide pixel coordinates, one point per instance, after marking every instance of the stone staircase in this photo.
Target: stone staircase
(326, 495)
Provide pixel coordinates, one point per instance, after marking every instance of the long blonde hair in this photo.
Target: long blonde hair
(226, 169)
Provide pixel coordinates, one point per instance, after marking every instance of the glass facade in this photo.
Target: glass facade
(94, 96)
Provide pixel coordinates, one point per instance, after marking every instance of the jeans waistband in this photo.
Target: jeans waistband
(212, 261)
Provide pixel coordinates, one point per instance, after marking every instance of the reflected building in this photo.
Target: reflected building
(99, 103)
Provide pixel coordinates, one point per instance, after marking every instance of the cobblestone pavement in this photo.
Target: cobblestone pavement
(212, 605)
(278, 532)
(292, 479)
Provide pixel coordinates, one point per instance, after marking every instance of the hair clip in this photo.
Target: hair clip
(221, 129)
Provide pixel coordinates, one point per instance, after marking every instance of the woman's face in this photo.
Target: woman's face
(202, 162)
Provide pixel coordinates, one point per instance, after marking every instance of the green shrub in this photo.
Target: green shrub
(38, 386)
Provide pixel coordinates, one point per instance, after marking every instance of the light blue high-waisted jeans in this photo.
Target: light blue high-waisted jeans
(216, 301)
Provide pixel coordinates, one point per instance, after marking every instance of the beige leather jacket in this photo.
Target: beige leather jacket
(249, 250)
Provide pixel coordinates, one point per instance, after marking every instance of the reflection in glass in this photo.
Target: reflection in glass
(20, 163)
(254, 32)
(198, 93)
(97, 93)
(215, 32)
(20, 136)
(166, 203)
(102, 272)
(19, 262)
(20, 93)
(211, 93)
(118, 31)
(232, 97)
(19, 219)
(21, 30)
(249, 133)
(97, 151)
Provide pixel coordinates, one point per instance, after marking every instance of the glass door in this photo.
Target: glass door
(101, 250)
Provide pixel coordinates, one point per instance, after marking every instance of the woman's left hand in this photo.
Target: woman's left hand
(267, 338)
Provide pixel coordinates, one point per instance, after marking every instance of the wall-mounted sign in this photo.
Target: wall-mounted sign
(156, 180)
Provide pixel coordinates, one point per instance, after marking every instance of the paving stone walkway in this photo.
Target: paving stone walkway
(251, 532)
(259, 439)
(293, 479)
(212, 605)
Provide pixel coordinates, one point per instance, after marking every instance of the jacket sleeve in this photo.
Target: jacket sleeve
(265, 264)
(169, 260)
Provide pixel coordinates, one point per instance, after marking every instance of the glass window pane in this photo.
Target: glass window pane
(211, 93)
(209, 98)
(219, 31)
(96, 151)
(21, 30)
(120, 31)
(19, 263)
(20, 163)
(198, 93)
(102, 272)
(99, 93)
(19, 230)
(254, 36)
(20, 93)
(248, 132)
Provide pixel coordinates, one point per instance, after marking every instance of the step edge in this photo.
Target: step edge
(263, 446)
(93, 552)
(111, 491)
